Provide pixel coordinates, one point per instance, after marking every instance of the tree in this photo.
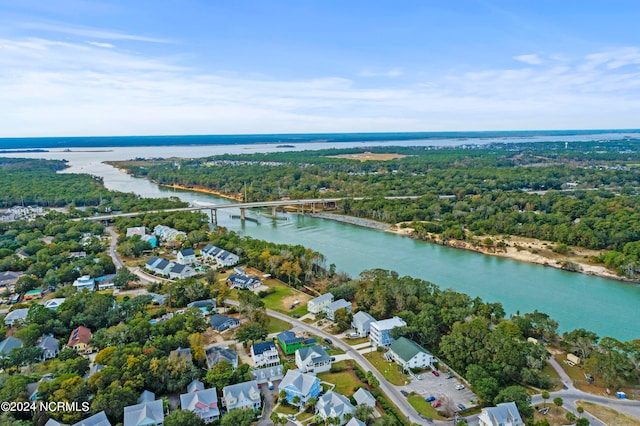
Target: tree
(516, 394)
(580, 410)
(363, 412)
(220, 375)
(295, 400)
(238, 418)
(183, 418)
(343, 319)
(583, 421)
(113, 399)
(570, 416)
(545, 395)
(123, 277)
(372, 380)
(251, 332)
(557, 401)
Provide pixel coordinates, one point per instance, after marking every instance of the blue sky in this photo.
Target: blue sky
(130, 67)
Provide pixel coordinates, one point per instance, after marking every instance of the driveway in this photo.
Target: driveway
(443, 389)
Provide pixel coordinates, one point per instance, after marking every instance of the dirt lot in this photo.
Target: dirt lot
(366, 156)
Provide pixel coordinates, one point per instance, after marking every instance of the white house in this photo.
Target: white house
(265, 354)
(16, 316)
(85, 282)
(332, 404)
(361, 322)
(186, 257)
(312, 359)
(242, 395)
(203, 402)
(315, 306)
(409, 354)
(505, 414)
(379, 331)
(221, 257)
(53, 304)
(331, 308)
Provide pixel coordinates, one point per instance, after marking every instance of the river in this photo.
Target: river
(608, 307)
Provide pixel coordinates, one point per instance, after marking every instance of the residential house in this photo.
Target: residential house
(409, 354)
(146, 396)
(33, 294)
(186, 257)
(379, 331)
(226, 258)
(99, 419)
(361, 323)
(312, 359)
(179, 271)
(85, 282)
(362, 396)
(160, 266)
(16, 316)
(166, 233)
(206, 305)
(243, 282)
(53, 304)
(355, 422)
(215, 354)
(289, 342)
(301, 385)
(22, 254)
(182, 352)
(268, 374)
(159, 299)
(203, 402)
(331, 308)
(221, 257)
(332, 404)
(265, 354)
(144, 414)
(242, 395)
(151, 239)
(52, 422)
(7, 344)
(505, 414)
(50, 347)
(79, 339)
(137, 230)
(315, 306)
(105, 282)
(221, 323)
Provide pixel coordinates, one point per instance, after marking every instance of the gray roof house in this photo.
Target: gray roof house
(222, 322)
(181, 271)
(312, 359)
(7, 344)
(16, 316)
(242, 395)
(146, 396)
(332, 404)
(203, 402)
(50, 347)
(52, 422)
(186, 257)
(267, 374)
(99, 419)
(315, 306)
(54, 303)
(215, 354)
(355, 422)
(331, 309)
(361, 323)
(8, 278)
(144, 414)
(505, 414)
(243, 281)
(362, 396)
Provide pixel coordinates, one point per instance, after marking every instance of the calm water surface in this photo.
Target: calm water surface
(608, 307)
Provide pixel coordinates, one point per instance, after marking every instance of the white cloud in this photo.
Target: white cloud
(392, 73)
(89, 32)
(99, 44)
(529, 59)
(60, 88)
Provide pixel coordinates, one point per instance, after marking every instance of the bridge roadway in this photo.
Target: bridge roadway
(199, 205)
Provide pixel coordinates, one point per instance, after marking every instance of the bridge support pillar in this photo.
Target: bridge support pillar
(242, 213)
(273, 211)
(213, 214)
(313, 208)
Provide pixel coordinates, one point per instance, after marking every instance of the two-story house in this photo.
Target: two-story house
(265, 354)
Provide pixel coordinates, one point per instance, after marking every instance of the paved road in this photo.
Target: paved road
(112, 248)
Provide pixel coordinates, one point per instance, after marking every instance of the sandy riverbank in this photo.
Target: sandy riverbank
(203, 190)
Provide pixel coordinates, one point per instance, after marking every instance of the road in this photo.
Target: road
(112, 248)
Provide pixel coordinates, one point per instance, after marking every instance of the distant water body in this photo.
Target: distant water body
(402, 138)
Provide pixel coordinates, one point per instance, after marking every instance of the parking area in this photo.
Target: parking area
(443, 389)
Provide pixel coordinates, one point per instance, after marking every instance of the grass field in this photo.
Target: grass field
(390, 370)
(283, 297)
(277, 325)
(346, 381)
(423, 407)
(357, 341)
(553, 375)
(608, 415)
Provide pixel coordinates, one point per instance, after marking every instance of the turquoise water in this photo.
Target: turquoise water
(608, 307)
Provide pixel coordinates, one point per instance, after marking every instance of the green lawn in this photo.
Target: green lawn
(277, 325)
(346, 381)
(357, 341)
(275, 300)
(390, 370)
(286, 409)
(423, 407)
(553, 375)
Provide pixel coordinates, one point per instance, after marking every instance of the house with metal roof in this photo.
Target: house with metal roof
(362, 396)
(315, 306)
(215, 354)
(221, 257)
(16, 316)
(265, 354)
(312, 359)
(144, 414)
(221, 323)
(409, 354)
(355, 422)
(203, 402)
(267, 374)
(243, 282)
(7, 344)
(333, 404)
(379, 331)
(301, 385)
(85, 282)
(186, 257)
(50, 347)
(242, 395)
(361, 323)
(99, 419)
(331, 308)
(505, 414)
(53, 304)
(289, 342)
(178, 271)
(79, 339)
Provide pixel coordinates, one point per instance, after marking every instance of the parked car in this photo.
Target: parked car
(296, 315)
(462, 407)
(449, 376)
(459, 387)
(436, 404)
(430, 398)
(435, 372)
(333, 358)
(329, 341)
(404, 393)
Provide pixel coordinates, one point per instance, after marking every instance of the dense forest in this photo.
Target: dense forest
(579, 194)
